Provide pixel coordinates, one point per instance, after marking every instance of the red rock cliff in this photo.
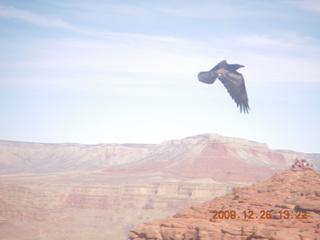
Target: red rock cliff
(286, 206)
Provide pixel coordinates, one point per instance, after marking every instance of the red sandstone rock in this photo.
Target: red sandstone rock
(284, 207)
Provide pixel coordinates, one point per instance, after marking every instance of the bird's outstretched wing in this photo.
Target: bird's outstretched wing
(234, 83)
(207, 77)
(210, 76)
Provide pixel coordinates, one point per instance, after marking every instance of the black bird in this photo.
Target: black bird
(231, 79)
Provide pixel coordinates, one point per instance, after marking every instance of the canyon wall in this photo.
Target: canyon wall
(56, 209)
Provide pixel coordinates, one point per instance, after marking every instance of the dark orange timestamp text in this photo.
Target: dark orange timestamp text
(263, 214)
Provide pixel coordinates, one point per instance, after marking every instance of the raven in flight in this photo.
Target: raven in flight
(231, 79)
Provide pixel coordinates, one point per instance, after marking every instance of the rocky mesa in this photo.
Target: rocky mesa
(285, 206)
(208, 156)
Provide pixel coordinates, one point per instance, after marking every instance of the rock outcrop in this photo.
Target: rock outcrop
(286, 206)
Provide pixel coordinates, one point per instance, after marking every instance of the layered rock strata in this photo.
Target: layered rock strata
(286, 206)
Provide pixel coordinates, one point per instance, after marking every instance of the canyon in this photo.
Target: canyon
(75, 191)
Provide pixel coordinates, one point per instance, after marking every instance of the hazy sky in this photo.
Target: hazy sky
(126, 71)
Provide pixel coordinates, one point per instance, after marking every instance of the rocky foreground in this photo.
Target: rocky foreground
(285, 206)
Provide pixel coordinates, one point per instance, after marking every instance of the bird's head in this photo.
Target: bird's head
(239, 66)
(234, 67)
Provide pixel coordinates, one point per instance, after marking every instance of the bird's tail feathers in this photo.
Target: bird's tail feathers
(207, 77)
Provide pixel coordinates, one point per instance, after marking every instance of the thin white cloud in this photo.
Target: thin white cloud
(209, 10)
(122, 58)
(149, 9)
(310, 5)
(285, 42)
(147, 37)
(105, 7)
(141, 59)
(30, 17)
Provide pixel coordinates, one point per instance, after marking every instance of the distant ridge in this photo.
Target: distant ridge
(202, 156)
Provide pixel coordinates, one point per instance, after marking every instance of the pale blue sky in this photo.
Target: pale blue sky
(126, 71)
